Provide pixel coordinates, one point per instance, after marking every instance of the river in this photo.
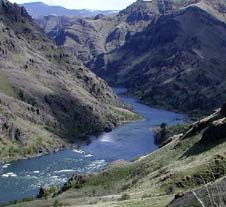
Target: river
(23, 178)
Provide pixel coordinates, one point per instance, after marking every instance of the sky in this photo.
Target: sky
(85, 4)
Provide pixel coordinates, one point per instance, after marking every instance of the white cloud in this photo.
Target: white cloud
(85, 4)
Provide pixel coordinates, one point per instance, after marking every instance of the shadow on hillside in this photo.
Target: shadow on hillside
(201, 147)
(74, 119)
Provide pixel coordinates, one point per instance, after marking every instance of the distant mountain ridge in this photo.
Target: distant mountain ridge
(39, 9)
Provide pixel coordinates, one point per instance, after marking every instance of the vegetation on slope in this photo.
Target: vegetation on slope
(47, 98)
(190, 160)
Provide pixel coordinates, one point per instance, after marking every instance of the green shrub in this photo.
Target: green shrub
(56, 203)
(124, 197)
(28, 199)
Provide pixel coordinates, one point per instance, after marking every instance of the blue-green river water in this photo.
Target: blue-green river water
(23, 178)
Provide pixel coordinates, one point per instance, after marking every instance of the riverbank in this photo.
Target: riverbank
(127, 142)
(26, 157)
(192, 116)
(48, 143)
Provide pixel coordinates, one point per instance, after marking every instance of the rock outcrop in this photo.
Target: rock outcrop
(223, 110)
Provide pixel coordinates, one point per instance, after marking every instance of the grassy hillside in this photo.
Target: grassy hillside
(189, 161)
(48, 99)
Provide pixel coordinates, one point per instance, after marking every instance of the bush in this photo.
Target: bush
(56, 203)
(28, 199)
(124, 197)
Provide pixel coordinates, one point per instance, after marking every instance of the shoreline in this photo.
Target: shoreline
(190, 116)
(77, 145)
(37, 155)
